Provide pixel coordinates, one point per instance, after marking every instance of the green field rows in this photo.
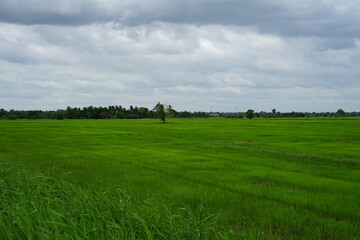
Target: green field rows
(283, 178)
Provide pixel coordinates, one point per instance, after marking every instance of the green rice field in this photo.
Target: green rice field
(212, 178)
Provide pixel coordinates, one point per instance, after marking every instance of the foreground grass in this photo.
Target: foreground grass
(288, 178)
(36, 206)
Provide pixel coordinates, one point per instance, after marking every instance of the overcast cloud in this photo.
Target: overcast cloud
(223, 55)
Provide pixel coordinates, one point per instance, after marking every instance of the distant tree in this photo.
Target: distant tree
(340, 112)
(34, 114)
(120, 115)
(250, 114)
(3, 113)
(274, 111)
(103, 115)
(143, 112)
(169, 111)
(59, 115)
(159, 110)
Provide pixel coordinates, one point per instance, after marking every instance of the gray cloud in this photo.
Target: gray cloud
(291, 18)
(288, 55)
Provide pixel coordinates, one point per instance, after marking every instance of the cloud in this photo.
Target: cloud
(290, 18)
(289, 55)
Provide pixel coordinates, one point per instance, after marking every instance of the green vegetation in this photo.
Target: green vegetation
(260, 179)
(250, 114)
(37, 206)
(119, 112)
(159, 110)
(110, 112)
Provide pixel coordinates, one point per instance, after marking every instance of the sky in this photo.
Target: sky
(197, 55)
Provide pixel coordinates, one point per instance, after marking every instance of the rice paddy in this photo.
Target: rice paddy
(250, 179)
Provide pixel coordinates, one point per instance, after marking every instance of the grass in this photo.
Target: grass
(261, 178)
(37, 206)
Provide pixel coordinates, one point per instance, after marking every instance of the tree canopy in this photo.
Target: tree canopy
(250, 114)
(160, 113)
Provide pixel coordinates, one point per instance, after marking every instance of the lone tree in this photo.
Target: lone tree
(250, 114)
(159, 110)
(340, 112)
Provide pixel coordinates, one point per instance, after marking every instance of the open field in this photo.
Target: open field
(264, 178)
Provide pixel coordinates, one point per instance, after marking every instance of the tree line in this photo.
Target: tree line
(160, 111)
(91, 112)
(276, 114)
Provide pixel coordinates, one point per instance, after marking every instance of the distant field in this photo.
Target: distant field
(285, 178)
